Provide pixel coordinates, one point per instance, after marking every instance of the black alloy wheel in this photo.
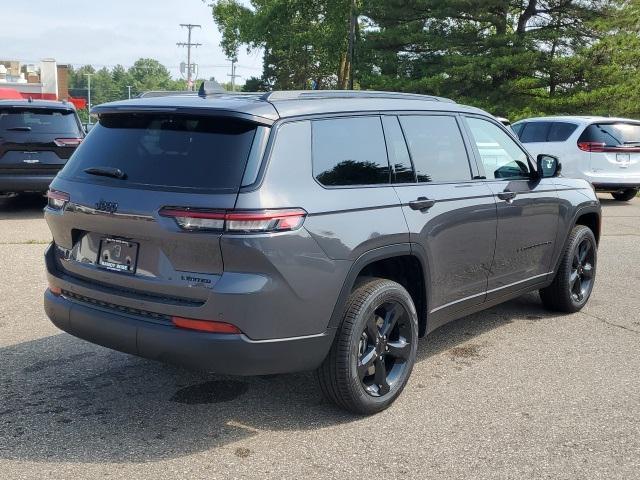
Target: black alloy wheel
(582, 269)
(384, 347)
(374, 349)
(574, 280)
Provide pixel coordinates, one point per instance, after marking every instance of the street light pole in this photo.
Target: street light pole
(129, 88)
(88, 75)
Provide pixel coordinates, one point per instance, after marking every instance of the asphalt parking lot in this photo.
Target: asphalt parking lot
(512, 392)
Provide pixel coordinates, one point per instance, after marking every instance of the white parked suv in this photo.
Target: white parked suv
(603, 150)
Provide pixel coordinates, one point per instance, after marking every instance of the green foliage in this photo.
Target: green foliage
(303, 40)
(111, 84)
(514, 58)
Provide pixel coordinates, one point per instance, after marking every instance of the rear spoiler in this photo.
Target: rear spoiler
(181, 110)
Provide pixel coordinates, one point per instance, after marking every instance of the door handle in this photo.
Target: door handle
(422, 204)
(507, 195)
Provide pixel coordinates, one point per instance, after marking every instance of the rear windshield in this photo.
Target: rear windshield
(38, 120)
(618, 134)
(168, 151)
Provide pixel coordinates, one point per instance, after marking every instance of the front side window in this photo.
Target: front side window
(349, 151)
(518, 128)
(436, 147)
(500, 155)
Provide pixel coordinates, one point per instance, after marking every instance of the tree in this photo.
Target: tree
(509, 57)
(304, 41)
(149, 74)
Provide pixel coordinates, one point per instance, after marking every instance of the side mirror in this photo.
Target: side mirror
(548, 166)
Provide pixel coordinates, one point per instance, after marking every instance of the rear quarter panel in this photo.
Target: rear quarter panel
(309, 270)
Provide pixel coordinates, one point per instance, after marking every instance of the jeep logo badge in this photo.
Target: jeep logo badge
(107, 207)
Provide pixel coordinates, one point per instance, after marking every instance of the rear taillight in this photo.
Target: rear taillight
(603, 147)
(591, 146)
(190, 219)
(56, 199)
(259, 221)
(67, 142)
(205, 325)
(57, 291)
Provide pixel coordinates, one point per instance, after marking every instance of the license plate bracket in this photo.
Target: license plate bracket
(118, 254)
(623, 160)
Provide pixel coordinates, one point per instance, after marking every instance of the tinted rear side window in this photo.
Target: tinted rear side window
(349, 151)
(38, 120)
(171, 151)
(612, 134)
(436, 147)
(532, 132)
(535, 132)
(560, 131)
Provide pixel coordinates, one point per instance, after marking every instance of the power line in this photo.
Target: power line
(188, 44)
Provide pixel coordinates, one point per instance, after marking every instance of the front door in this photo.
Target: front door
(528, 210)
(451, 216)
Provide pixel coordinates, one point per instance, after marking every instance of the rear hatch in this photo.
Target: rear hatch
(37, 139)
(131, 167)
(614, 148)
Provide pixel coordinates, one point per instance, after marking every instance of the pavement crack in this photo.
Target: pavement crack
(611, 324)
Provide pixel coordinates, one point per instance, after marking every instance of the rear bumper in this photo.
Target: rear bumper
(615, 187)
(219, 353)
(24, 183)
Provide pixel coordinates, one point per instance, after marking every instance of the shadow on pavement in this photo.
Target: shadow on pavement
(62, 399)
(22, 207)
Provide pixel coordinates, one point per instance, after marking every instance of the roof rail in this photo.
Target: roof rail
(325, 94)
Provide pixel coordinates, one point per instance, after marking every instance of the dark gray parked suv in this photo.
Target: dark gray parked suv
(260, 234)
(37, 137)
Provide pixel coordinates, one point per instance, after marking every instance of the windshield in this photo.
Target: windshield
(38, 120)
(165, 150)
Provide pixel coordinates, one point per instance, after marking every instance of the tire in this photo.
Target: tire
(625, 195)
(573, 283)
(371, 358)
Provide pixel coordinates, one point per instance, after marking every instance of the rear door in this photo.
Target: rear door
(35, 139)
(528, 210)
(614, 148)
(130, 168)
(451, 216)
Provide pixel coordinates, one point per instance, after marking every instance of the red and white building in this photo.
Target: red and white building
(48, 81)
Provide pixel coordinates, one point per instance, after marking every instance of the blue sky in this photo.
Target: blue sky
(116, 31)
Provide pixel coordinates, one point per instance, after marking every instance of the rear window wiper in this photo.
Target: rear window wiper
(19, 129)
(106, 172)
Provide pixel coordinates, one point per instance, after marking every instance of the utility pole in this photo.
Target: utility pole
(233, 74)
(129, 88)
(188, 44)
(88, 75)
(352, 41)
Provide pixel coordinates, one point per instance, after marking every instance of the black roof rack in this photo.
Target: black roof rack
(325, 94)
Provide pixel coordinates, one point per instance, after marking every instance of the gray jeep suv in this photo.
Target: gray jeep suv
(288, 231)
